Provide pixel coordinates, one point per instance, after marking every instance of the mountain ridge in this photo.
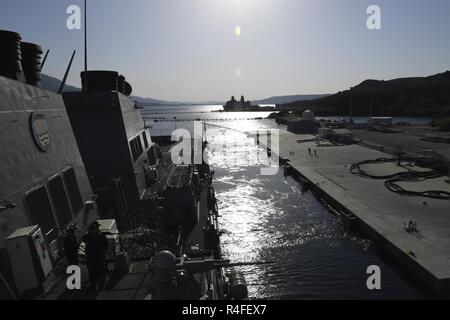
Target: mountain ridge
(53, 84)
(289, 98)
(411, 96)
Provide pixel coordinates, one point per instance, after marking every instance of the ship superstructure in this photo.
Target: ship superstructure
(43, 179)
(88, 156)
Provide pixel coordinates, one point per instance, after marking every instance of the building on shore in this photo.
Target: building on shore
(341, 136)
(385, 122)
(307, 124)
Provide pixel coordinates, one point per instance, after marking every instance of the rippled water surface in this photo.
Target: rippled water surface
(268, 218)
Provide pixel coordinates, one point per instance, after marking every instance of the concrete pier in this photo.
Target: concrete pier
(381, 213)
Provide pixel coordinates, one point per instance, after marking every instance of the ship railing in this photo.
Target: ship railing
(142, 221)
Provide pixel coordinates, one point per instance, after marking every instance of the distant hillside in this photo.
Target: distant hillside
(153, 102)
(419, 96)
(148, 102)
(52, 84)
(289, 99)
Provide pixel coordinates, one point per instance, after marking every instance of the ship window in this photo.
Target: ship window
(139, 144)
(136, 148)
(132, 148)
(38, 206)
(144, 136)
(60, 201)
(151, 155)
(70, 180)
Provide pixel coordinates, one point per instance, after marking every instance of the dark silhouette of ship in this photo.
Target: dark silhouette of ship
(72, 159)
(242, 105)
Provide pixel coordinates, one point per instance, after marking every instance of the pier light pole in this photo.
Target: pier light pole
(351, 111)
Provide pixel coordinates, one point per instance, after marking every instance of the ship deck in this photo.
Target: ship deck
(133, 285)
(380, 212)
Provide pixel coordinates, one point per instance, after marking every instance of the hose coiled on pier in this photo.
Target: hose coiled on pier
(392, 180)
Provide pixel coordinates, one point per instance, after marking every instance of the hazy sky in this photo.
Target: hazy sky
(188, 50)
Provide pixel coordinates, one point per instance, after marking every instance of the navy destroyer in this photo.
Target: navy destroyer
(71, 159)
(242, 105)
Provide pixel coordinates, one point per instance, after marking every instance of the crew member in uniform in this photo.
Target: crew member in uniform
(71, 246)
(96, 244)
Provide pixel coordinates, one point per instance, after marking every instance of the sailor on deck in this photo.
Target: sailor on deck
(71, 245)
(96, 244)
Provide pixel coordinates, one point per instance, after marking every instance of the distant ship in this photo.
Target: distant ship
(238, 106)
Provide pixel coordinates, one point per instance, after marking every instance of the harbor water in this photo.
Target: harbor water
(269, 218)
